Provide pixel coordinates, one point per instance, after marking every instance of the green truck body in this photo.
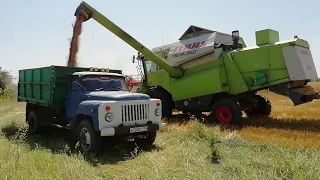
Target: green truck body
(48, 86)
(208, 70)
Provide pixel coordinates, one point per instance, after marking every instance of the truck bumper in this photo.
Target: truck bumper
(126, 130)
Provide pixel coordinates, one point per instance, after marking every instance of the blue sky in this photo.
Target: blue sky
(35, 33)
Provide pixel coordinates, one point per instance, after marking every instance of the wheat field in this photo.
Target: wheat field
(284, 146)
(288, 125)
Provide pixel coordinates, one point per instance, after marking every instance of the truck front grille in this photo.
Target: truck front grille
(135, 112)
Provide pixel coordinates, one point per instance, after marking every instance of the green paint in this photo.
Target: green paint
(47, 86)
(239, 71)
(266, 36)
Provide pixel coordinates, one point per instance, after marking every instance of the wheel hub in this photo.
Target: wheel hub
(85, 138)
(224, 114)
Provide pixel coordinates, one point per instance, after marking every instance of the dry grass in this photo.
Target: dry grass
(288, 126)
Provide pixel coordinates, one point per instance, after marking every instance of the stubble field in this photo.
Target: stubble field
(284, 146)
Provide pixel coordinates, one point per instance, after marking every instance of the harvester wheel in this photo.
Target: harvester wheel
(166, 101)
(263, 108)
(225, 111)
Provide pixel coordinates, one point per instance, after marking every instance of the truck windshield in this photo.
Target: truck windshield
(107, 83)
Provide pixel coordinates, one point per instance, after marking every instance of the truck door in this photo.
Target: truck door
(73, 99)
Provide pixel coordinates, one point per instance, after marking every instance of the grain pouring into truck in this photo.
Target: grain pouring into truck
(74, 43)
(93, 103)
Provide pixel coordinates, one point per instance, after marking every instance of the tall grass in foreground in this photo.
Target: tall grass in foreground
(196, 151)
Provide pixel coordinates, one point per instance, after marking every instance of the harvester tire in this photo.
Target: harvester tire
(226, 111)
(166, 101)
(263, 109)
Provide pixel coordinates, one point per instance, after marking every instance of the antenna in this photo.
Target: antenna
(162, 41)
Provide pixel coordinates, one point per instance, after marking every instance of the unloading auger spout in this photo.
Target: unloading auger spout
(88, 12)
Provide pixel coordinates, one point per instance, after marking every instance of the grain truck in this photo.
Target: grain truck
(91, 102)
(211, 71)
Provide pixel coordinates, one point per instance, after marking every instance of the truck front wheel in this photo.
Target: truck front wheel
(89, 140)
(225, 111)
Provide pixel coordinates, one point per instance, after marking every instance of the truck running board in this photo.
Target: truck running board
(298, 95)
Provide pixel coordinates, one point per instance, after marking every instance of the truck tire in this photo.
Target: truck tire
(263, 109)
(33, 123)
(148, 140)
(89, 140)
(166, 101)
(225, 111)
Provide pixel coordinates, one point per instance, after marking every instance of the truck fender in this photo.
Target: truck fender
(88, 109)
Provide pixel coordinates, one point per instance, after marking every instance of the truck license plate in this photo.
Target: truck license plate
(138, 129)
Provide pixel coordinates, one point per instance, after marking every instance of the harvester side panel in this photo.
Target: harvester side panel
(204, 79)
(235, 79)
(197, 84)
(278, 68)
(300, 63)
(262, 66)
(253, 65)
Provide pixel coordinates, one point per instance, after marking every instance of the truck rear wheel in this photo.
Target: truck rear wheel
(32, 123)
(89, 140)
(263, 108)
(225, 111)
(166, 101)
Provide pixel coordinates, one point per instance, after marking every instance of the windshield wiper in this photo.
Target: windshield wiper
(117, 88)
(99, 89)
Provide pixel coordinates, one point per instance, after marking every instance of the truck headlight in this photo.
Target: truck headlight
(157, 112)
(109, 117)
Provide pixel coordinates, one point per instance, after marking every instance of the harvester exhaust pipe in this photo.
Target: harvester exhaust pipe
(86, 11)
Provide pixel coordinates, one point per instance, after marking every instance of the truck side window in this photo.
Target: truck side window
(74, 86)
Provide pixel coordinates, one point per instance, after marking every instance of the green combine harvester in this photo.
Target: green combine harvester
(210, 71)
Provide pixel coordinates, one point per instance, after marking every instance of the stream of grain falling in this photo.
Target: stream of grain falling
(74, 44)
